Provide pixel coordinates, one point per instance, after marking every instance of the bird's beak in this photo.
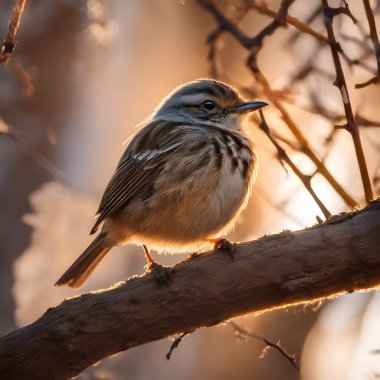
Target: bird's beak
(248, 107)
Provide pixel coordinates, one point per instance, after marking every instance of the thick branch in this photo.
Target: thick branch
(339, 256)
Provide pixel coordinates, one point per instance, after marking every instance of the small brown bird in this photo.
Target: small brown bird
(182, 181)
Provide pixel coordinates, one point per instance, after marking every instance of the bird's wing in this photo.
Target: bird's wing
(143, 159)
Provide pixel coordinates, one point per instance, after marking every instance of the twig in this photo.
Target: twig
(214, 37)
(175, 344)
(308, 21)
(306, 29)
(293, 21)
(279, 20)
(282, 156)
(27, 86)
(318, 107)
(225, 24)
(279, 207)
(9, 42)
(304, 145)
(43, 162)
(340, 82)
(375, 43)
(361, 43)
(254, 46)
(367, 123)
(294, 145)
(277, 346)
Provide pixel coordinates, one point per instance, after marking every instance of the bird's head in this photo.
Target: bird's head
(205, 102)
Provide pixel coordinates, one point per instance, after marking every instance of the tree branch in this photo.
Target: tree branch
(340, 83)
(283, 157)
(375, 43)
(277, 346)
(339, 256)
(254, 45)
(296, 131)
(264, 9)
(9, 42)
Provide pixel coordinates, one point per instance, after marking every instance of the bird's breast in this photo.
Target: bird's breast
(235, 180)
(199, 194)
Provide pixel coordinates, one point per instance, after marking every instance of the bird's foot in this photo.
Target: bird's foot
(226, 245)
(194, 255)
(163, 274)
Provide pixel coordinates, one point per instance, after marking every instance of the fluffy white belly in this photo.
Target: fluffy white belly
(183, 217)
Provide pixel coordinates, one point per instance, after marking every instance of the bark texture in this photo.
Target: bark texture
(339, 256)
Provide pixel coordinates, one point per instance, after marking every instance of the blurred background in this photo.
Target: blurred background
(83, 75)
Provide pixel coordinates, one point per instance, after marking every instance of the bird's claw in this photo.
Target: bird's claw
(194, 255)
(161, 273)
(224, 244)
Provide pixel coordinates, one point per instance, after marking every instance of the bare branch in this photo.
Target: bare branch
(269, 343)
(9, 42)
(364, 122)
(282, 156)
(264, 9)
(306, 29)
(375, 43)
(338, 256)
(279, 207)
(313, 15)
(304, 145)
(225, 24)
(43, 162)
(254, 46)
(340, 82)
(175, 344)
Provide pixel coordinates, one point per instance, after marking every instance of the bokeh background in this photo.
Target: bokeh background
(83, 75)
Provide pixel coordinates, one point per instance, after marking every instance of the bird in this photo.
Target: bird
(182, 181)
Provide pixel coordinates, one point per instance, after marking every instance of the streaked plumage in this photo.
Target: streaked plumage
(183, 178)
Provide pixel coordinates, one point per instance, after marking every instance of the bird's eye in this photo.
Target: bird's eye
(208, 105)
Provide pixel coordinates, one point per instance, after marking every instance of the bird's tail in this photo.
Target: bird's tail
(83, 266)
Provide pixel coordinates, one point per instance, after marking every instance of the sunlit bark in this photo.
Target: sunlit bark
(339, 256)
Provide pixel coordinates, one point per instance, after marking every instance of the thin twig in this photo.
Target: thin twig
(43, 162)
(277, 346)
(9, 42)
(306, 29)
(296, 34)
(225, 24)
(340, 82)
(282, 156)
(175, 344)
(367, 123)
(214, 37)
(304, 145)
(279, 207)
(375, 42)
(264, 9)
(254, 45)
(26, 84)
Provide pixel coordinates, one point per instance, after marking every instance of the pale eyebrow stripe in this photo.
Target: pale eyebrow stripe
(198, 98)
